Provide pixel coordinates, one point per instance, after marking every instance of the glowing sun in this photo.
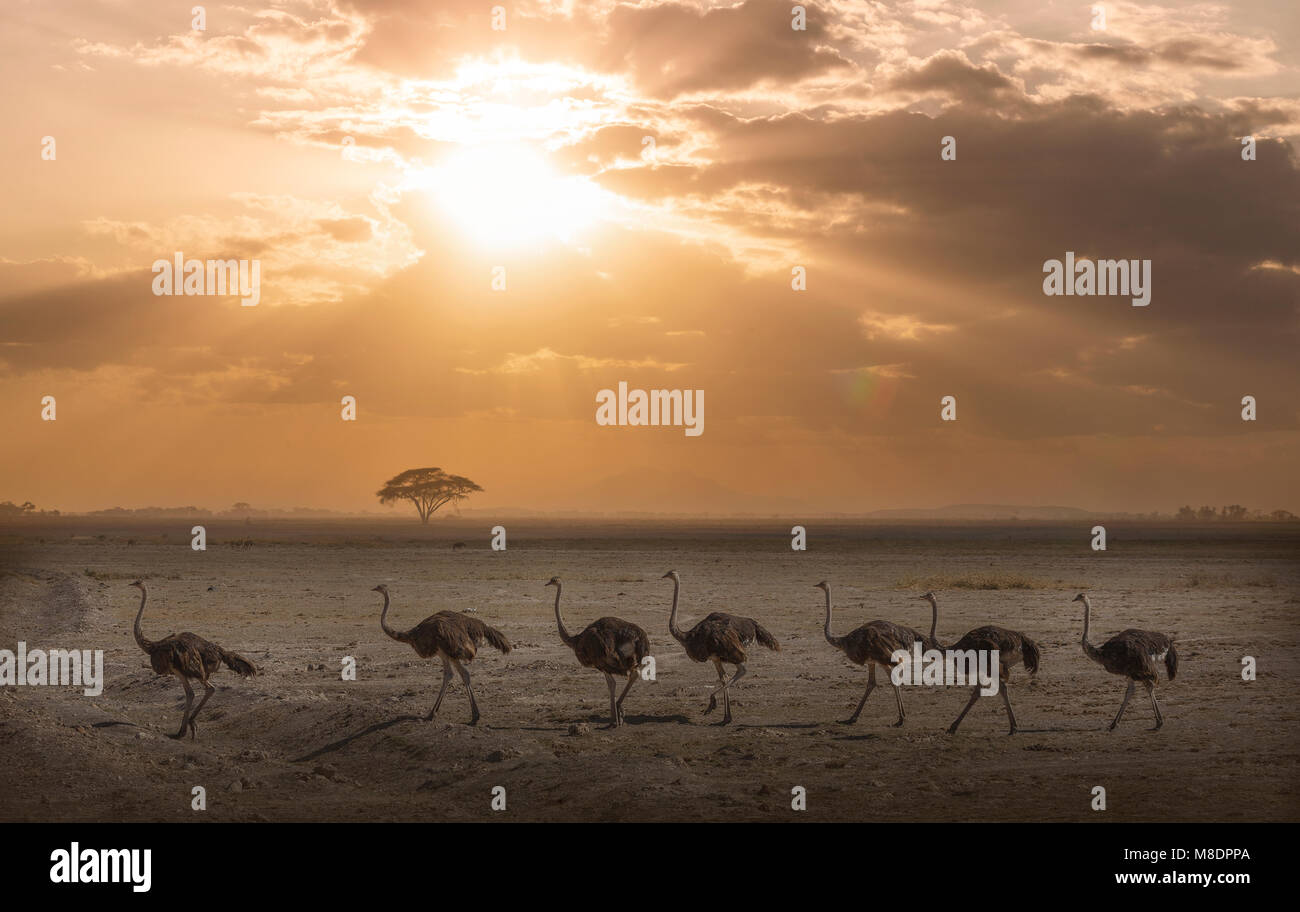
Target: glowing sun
(507, 195)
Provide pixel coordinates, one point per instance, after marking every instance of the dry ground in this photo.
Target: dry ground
(298, 743)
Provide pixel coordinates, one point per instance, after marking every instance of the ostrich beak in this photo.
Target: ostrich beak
(377, 589)
(667, 575)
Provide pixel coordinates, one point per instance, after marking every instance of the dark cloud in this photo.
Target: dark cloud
(1071, 176)
(671, 48)
(950, 73)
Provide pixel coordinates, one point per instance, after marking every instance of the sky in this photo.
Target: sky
(472, 230)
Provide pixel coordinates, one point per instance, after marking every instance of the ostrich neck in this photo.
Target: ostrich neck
(934, 619)
(835, 641)
(1088, 649)
(383, 622)
(139, 637)
(672, 617)
(559, 621)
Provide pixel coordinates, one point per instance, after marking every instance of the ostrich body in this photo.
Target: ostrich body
(610, 645)
(187, 656)
(1013, 648)
(720, 638)
(872, 644)
(452, 636)
(1133, 654)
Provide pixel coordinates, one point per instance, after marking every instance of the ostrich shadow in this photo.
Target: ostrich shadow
(864, 736)
(1046, 730)
(601, 721)
(1058, 728)
(646, 718)
(345, 741)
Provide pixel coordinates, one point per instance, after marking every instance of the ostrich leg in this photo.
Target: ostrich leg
(631, 679)
(189, 701)
(473, 704)
(871, 685)
(974, 695)
(726, 704)
(1011, 715)
(898, 695)
(446, 679)
(210, 691)
(722, 684)
(1160, 717)
(1119, 715)
(614, 712)
(726, 693)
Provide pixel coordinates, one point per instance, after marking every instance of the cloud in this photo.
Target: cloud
(899, 326)
(310, 251)
(545, 357)
(671, 49)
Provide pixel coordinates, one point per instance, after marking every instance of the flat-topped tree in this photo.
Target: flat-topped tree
(428, 489)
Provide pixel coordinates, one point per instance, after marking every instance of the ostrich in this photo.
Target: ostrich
(451, 635)
(1132, 654)
(187, 656)
(609, 644)
(872, 644)
(719, 638)
(1012, 646)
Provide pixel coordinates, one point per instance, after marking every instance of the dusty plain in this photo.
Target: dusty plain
(299, 743)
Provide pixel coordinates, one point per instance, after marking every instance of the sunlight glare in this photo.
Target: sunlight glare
(507, 195)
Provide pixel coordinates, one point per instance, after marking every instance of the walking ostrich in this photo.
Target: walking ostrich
(1132, 654)
(451, 635)
(1013, 647)
(187, 656)
(872, 644)
(609, 644)
(719, 638)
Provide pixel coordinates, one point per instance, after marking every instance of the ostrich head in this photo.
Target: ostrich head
(823, 585)
(139, 584)
(554, 581)
(929, 597)
(380, 588)
(1080, 598)
(672, 575)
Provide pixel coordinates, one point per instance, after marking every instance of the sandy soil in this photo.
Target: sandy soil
(298, 743)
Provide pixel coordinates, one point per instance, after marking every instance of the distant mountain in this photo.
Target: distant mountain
(986, 511)
(649, 490)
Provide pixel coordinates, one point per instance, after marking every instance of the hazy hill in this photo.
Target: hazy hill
(986, 511)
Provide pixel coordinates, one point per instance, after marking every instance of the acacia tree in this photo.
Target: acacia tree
(428, 489)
